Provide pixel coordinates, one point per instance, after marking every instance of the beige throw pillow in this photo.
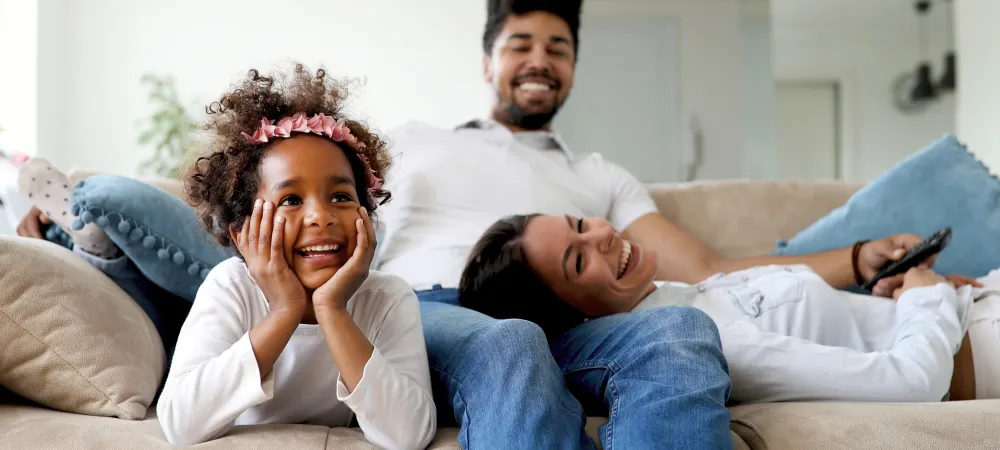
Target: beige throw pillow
(70, 338)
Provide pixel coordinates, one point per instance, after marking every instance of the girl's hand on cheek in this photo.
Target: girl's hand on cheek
(262, 244)
(341, 287)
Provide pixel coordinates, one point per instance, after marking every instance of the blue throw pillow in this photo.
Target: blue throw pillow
(942, 185)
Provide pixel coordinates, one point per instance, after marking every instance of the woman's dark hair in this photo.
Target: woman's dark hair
(498, 282)
(223, 183)
(497, 12)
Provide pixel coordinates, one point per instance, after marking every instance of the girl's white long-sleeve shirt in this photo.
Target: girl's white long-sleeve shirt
(214, 382)
(788, 336)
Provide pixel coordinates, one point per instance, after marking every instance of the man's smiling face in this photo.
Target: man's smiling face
(531, 69)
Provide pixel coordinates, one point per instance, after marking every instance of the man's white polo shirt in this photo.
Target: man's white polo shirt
(449, 186)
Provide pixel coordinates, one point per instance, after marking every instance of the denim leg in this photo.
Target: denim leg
(126, 276)
(498, 381)
(157, 231)
(166, 311)
(56, 235)
(658, 375)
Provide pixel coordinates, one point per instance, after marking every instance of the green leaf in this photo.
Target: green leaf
(168, 129)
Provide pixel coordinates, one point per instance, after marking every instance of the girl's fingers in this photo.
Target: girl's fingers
(362, 247)
(369, 226)
(370, 239)
(264, 234)
(254, 226)
(278, 240)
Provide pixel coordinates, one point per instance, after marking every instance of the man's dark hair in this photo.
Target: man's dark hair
(498, 282)
(497, 12)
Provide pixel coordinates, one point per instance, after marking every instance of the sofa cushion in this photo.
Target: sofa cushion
(71, 339)
(737, 218)
(30, 427)
(25, 426)
(942, 185)
(884, 426)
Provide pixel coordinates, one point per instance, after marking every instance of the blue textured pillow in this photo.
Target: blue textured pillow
(942, 185)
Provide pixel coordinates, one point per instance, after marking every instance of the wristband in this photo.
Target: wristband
(855, 252)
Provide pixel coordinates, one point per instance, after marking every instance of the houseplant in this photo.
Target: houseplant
(169, 129)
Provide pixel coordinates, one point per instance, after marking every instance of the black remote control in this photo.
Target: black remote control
(918, 254)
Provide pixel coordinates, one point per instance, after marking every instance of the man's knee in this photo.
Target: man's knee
(490, 346)
(678, 323)
(677, 338)
(504, 343)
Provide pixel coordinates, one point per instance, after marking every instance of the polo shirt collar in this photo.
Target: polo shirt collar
(494, 126)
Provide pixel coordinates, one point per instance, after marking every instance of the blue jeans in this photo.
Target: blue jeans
(659, 376)
(166, 311)
(166, 252)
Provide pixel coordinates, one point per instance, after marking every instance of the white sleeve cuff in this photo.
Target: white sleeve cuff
(251, 384)
(374, 368)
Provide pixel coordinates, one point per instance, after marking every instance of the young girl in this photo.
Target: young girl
(787, 335)
(296, 329)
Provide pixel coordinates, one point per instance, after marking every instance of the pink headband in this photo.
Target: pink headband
(320, 124)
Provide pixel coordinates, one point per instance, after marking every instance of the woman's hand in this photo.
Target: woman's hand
(918, 277)
(342, 285)
(262, 244)
(962, 280)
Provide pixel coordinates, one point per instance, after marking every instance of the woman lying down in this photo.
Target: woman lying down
(786, 333)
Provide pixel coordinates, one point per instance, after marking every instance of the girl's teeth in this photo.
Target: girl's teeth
(321, 248)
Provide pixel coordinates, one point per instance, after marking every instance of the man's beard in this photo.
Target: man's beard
(515, 115)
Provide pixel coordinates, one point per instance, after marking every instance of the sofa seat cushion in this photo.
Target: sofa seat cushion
(31, 427)
(884, 426)
(71, 339)
(740, 218)
(27, 426)
(594, 426)
(24, 426)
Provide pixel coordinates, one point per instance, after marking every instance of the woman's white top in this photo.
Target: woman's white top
(788, 335)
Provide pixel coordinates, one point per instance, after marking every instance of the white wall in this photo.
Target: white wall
(979, 78)
(723, 83)
(18, 85)
(419, 59)
(422, 61)
(867, 57)
(760, 152)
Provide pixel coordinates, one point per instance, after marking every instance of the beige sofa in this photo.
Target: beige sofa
(738, 218)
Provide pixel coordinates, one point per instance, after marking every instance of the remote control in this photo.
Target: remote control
(918, 254)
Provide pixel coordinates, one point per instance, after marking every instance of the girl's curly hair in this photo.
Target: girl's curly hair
(223, 184)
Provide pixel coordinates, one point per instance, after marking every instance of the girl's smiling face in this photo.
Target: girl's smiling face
(311, 183)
